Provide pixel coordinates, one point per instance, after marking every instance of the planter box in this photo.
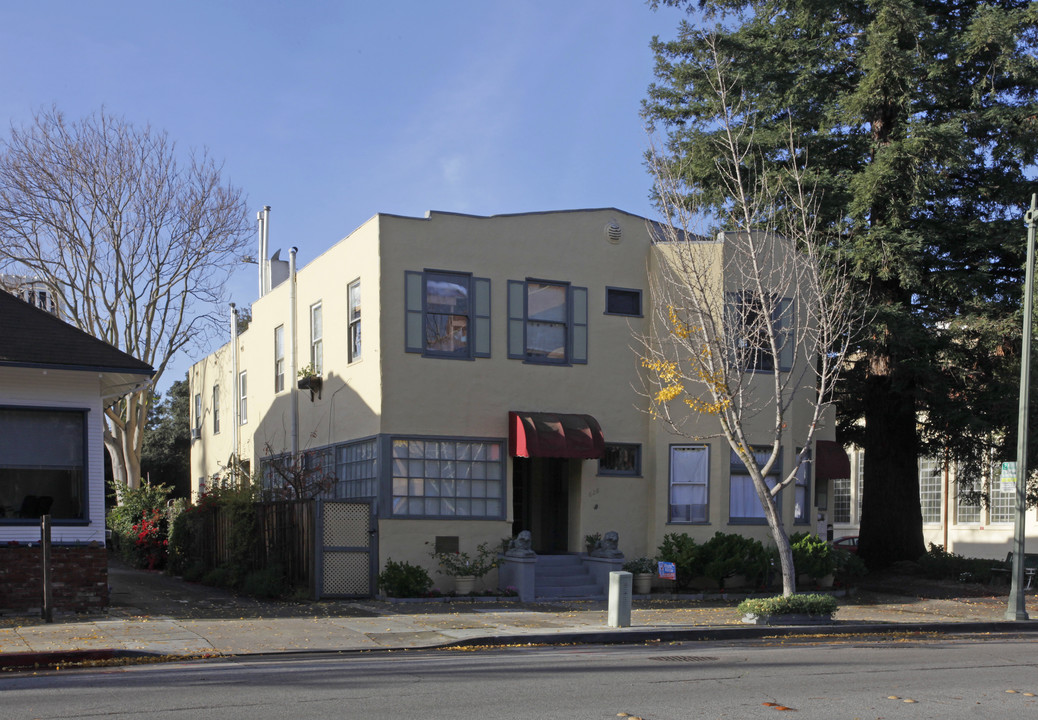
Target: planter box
(313, 384)
(789, 619)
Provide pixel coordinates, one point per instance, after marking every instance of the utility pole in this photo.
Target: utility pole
(1017, 609)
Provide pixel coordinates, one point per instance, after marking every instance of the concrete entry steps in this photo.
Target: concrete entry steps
(564, 576)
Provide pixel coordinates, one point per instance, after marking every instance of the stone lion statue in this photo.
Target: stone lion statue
(608, 546)
(521, 546)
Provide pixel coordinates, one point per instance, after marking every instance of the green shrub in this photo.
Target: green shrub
(725, 555)
(941, 565)
(686, 555)
(790, 605)
(217, 577)
(848, 567)
(640, 566)
(402, 579)
(267, 582)
(461, 564)
(812, 556)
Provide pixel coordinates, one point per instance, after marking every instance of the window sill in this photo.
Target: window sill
(747, 521)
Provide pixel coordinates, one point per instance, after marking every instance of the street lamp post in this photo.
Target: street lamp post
(1017, 609)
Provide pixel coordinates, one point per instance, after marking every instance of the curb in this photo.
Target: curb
(51, 659)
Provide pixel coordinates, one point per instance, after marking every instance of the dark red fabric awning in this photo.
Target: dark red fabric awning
(559, 435)
(832, 462)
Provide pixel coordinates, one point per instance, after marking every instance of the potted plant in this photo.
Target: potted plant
(591, 541)
(309, 380)
(466, 569)
(643, 569)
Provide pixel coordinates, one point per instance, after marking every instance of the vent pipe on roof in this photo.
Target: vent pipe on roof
(263, 220)
(293, 354)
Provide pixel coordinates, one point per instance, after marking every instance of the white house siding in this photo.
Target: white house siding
(27, 387)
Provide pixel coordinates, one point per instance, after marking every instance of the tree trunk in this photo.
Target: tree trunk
(891, 517)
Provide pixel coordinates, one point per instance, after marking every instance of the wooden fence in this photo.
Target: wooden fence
(283, 534)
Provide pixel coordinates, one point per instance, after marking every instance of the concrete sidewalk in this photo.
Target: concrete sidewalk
(167, 618)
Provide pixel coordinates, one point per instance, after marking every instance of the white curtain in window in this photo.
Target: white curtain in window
(689, 475)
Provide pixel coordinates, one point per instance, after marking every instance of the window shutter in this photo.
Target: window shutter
(481, 316)
(578, 338)
(413, 312)
(516, 319)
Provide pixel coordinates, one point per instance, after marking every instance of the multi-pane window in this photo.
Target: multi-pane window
(243, 398)
(860, 480)
(216, 409)
(316, 338)
(43, 464)
(622, 301)
(447, 314)
(1002, 507)
(353, 300)
(753, 319)
(356, 470)
(802, 494)
(198, 414)
(842, 500)
(743, 503)
(621, 459)
(279, 358)
(447, 478)
(930, 489)
(547, 322)
(966, 513)
(689, 483)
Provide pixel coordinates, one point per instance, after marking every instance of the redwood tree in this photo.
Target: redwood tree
(919, 121)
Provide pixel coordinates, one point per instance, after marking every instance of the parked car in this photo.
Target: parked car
(848, 543)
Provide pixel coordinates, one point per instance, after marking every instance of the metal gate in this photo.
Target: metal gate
(347, 552)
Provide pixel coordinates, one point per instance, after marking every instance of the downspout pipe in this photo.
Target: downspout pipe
(294, 354)
(235, 407)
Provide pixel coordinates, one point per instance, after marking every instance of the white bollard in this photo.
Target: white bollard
(620, 599)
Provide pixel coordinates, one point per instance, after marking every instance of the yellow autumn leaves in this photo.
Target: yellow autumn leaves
(669, 378)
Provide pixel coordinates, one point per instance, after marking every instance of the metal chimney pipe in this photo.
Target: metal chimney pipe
(261, 252)
(265, 257)
(294, 354)
(235, 407)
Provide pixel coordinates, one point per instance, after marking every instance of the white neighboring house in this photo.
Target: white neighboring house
(55, 381)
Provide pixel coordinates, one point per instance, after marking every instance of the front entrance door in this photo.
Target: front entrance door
(540, 502)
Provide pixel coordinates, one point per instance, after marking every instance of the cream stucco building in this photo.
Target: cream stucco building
(477, 378)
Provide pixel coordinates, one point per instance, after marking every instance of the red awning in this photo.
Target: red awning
(556, 435)
(832, 462)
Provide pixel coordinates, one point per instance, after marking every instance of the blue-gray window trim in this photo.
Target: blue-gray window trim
(479, 314)
(576, 350)
(84, 521)
(634, 291)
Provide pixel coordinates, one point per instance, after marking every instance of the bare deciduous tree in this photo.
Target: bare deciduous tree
(751, 325)
(135, 242)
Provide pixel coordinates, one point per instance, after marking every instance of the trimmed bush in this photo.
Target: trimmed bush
(848, 567)
(404, 580)
(686, 555)
(941, 565)
(725, 555)
(791, 605)
(812, 555)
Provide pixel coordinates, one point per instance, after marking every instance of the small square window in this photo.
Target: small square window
(621, 459)
(621, 301)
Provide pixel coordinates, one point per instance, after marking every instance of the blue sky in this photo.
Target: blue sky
(330, 112)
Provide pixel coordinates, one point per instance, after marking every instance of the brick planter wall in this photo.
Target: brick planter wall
(79, 577)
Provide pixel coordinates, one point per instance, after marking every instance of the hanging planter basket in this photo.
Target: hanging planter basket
(313, 383)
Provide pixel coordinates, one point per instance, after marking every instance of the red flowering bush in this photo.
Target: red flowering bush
(150, 544)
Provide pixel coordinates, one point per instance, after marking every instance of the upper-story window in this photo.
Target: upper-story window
(752, 318)
(317, 338)
(279, 358)
(743, 504)
(216, 409)
(353, 299)
(448, 314)
(623, 301)
(198, 414)
(547, 322)
(243, 398)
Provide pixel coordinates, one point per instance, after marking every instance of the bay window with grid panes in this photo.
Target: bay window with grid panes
(930, 471)
(440, 477)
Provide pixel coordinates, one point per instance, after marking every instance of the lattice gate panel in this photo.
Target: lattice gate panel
(346, 549)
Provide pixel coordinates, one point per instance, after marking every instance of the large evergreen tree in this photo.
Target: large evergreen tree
(917, 121)
(166, 451)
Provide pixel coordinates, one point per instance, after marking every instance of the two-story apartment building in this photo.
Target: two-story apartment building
(477, 378)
